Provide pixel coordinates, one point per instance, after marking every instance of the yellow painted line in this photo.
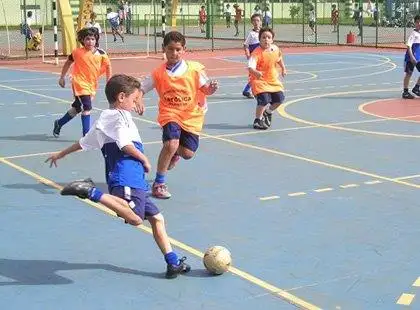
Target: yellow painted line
(417, 282)
(408, 177)
(373, 182)
(269, 198)
(321, 190)
(285, 114)
(290, 298)
(405, 299)
(296, 194)
(349, 185)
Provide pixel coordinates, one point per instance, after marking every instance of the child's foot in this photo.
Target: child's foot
(247, 94)
(267, 118)
(115, 39)
(56, 130)
(260, 124)
(79, 188)
(416, 91)
(172, 271)
(160, 191)
(122, 39)
(174, 160)
(407, 95)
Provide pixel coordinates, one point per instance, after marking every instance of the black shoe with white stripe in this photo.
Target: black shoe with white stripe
(267, 118)
(260, 124)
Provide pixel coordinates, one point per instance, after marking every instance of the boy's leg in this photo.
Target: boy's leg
(87, 189)
(170, 136)
(276, 100)
(188, 145)
(262, 100)
(87, 107)
(408, 68)
(75, 109)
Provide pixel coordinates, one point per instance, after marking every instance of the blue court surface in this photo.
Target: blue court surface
(319, 212)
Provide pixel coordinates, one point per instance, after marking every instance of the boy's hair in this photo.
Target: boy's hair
(120, 83)
(86, 32)
(174, 36)
(417, 18)
(255, 15)
(29, 14)
(265, 29)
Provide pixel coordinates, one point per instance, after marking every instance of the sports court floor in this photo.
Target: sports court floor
(320, 211)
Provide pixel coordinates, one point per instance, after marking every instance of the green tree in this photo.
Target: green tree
(294, 11)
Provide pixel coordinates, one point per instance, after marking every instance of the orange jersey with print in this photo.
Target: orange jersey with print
(266, 64)
(88, 66)
(180, 97)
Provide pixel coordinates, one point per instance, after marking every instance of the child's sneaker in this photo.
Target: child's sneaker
(407, 95)
(174, 160)
(79, 188)
(267, 118)
(56, 130)
(160, 191)
(416, 91)
(259, 124)
(172, 271)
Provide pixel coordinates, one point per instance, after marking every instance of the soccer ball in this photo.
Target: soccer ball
(217, 260)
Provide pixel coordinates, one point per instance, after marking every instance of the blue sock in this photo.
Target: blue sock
(85, 124)
(160, 178)
(65, 119)
(247, 88)
(171, 258)
(95, 194)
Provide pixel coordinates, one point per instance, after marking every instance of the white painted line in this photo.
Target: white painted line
(39, 115)
(269, 198)
(20, 103)
(373, 182)
(349, 185)
(42, 102)
(20, 117)
(296, 194)
(321, 190)
(56, 114)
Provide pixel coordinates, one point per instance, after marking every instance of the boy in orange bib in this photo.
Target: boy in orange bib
(264, 78)
(182, 87)
(89, 63)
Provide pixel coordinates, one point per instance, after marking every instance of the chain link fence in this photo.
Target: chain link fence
(385, 23)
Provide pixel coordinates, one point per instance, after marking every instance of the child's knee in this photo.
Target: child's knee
(172, 144)
(186, 153)
(156, 220)
(134, 220)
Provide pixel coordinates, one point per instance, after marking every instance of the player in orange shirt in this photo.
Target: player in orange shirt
(182, 87)
(89, 63)
(264, 78)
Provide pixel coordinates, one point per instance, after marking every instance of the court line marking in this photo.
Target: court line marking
(263, 149)
(405, 299)
(285, 114)
(414, 176)
(290, 298)
(362, 109)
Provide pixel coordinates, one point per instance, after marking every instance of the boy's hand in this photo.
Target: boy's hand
(139, 108)
(53, 159)
(147, 166)
(213, 86)
(258, 74)
(283, 72)
(62, 82)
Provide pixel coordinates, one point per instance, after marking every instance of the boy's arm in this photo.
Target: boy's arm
(56, 156)
(246, 46)
(208, 86)
(252, 67)
(147, 84)
(281, 65)
(64, 70)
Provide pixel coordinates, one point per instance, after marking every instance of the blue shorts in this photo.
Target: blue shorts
(269, 98)
(84, 101)
(187, 139)
(137, 199)
(409, 66)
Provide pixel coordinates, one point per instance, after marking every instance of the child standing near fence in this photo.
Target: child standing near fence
(89, 63)
(251, 43)
(411, 60)
(265, 83)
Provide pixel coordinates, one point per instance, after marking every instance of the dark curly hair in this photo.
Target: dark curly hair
(86, 32)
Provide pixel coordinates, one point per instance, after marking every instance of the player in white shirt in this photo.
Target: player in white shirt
(116, 134)
(252, 41)
(411, 60)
